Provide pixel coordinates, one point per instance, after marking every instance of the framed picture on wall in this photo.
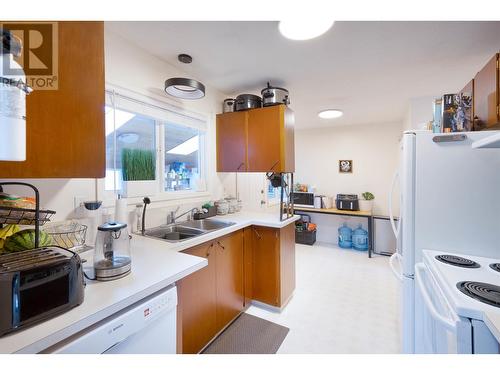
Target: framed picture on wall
(345, 166)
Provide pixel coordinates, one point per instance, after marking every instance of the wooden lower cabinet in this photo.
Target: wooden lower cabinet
(211, 297)
(229, 277)
(256, 263)
(197, 321)
(273, 265)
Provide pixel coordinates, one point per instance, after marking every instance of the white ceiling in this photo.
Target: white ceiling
(368, 69)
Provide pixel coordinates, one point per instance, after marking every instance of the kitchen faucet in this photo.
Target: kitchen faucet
(171, 218)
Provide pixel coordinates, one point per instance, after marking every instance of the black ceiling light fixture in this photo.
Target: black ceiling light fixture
(184, 88)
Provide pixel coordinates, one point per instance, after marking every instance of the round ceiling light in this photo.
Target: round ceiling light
(330, 113)
(184, 88)
(128, 137)
(304, 29)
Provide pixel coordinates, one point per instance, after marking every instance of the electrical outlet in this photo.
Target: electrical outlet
(78, 201)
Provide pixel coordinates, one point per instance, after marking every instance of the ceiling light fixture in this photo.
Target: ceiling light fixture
(330, 113)
(304, 29)
(185, 88)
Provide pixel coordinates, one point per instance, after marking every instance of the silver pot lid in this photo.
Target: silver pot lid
(269, 87)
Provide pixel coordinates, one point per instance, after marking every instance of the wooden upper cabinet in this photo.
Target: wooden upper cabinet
(229, 264)
(486, 94)
(231, 142)
(271, 140)
(65, 127)
(198, 302)
(263, 137)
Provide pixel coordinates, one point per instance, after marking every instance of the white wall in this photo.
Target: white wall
(372, 148)
(419, 112)
(132, 68)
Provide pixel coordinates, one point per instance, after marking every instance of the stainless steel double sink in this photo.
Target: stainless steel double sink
(185, 230)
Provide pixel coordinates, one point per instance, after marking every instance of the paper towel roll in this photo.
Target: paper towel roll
(121, 214)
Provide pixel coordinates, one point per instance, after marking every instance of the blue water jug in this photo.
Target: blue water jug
(345, 236)
(360, 238)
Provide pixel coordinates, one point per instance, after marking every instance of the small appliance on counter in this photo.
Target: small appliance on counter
(38, 284)
(272, 95)
(112, 252)
(347, 202)
(303, 199)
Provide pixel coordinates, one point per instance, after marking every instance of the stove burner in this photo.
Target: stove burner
(495, 266)
(457, 261)
(483, 292)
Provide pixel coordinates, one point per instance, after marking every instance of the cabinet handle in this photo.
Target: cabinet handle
(241, 165)
(208, 251)
(257, 233)
(218, 243)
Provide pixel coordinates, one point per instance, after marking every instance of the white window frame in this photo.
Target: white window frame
(108, 196)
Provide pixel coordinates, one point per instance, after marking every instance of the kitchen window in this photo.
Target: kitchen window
(160, 145)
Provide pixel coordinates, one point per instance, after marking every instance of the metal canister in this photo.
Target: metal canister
(228, 105)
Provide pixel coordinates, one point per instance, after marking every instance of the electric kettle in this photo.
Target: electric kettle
(112, 251)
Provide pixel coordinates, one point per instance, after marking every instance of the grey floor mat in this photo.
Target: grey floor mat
(249, 335)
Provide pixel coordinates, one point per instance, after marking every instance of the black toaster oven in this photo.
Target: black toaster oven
(348, 202)
(38, 284)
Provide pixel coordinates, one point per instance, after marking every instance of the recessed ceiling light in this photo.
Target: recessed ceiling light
(330, 113)
(304, 29)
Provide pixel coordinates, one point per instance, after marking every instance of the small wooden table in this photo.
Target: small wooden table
(333, 211)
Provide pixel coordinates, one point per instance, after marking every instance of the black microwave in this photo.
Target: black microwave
(303, 199)
(38, 284)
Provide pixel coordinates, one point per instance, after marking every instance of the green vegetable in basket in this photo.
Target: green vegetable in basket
(25, 240)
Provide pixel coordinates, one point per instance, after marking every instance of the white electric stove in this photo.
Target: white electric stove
(453, 292)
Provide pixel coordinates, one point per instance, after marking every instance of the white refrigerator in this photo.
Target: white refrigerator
(449, 196)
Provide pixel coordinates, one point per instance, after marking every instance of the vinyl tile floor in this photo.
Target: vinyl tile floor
(344, 302)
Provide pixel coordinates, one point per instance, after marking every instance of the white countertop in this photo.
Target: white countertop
(492, 321)
(155, 265)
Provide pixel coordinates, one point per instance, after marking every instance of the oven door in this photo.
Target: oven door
(438, 329)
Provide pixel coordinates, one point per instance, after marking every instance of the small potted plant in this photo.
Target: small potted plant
(366, 204)
(138, 172)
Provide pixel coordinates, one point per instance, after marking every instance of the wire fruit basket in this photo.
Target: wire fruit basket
(23, 216)
(69, 234)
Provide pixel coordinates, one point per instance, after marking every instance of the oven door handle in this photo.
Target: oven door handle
(447, 322)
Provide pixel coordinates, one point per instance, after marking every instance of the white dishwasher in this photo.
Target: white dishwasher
(147, 327)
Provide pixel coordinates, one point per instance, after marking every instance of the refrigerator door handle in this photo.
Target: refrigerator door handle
(448, 323)
(397, 272)
(395, 228)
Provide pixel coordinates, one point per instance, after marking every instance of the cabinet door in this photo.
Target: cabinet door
(231, 142)
(264, 139)
(486, 94)
(271, 139)
(65, 134)
(229, 265)
(266, 265)
(197, 301)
